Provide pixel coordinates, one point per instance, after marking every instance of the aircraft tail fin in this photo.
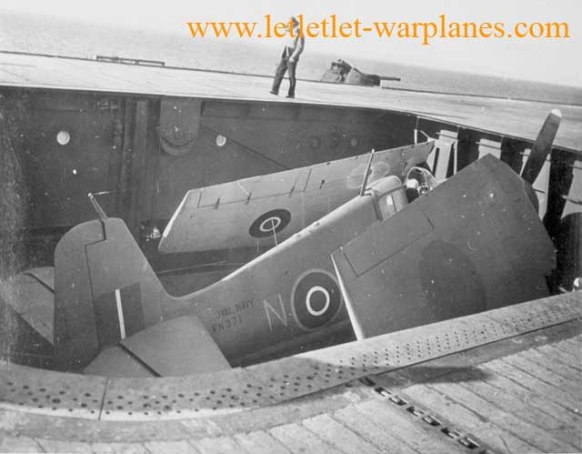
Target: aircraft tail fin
(105, 290)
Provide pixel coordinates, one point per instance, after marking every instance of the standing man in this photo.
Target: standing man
(289, 59)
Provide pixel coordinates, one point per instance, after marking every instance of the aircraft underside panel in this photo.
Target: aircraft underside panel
(472, 244)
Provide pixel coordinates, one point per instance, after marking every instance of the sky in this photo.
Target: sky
(556, 61)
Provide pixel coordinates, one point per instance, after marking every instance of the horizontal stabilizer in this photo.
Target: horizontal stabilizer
(181, 346)
(472, 244)
(35, 300)
(117, 362)
(264, 210)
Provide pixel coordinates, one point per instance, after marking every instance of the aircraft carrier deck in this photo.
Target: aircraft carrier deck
(506, 380)
(500, 116)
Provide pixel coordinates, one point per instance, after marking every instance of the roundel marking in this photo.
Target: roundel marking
(316, 299)
(269, 222)
(311, 299)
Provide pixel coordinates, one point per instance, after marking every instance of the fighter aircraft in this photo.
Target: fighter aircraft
(473, 243)
(282, 301)
(267, 209)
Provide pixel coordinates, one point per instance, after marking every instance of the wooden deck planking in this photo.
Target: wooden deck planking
(535, 399)
(119, 448)
(570, 346)
(174, 447)
(569, 385)
(374, 433)
(299, 439)
(19, 444)
(572, 360)
(466, 420)
(222, 445)
(513, 422)
(260, 442)
(416, 435)
(338, 435)
(500, 392)
(66, 446)
(532, 383)
(571, 343)
(511, 404)
(556, 366)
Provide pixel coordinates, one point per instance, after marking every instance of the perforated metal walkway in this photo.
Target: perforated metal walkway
(502, 381)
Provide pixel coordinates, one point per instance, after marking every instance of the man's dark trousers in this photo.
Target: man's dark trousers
(285, 65)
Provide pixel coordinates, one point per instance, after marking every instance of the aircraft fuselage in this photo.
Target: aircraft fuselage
(290, 293)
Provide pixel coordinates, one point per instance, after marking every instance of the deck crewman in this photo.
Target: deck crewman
(289, 59)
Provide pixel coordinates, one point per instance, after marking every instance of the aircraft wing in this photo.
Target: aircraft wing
(177, 347)
(474, 243)
(264, 210)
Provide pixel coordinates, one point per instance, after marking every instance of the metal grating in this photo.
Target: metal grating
(182, 397)
(49, 392)
(277, 381)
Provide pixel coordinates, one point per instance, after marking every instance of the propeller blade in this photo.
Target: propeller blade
(541, 147)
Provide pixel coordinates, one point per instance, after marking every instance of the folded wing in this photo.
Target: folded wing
(474, 243)
(264, 210)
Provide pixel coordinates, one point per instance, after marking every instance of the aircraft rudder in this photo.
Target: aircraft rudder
(105, 290)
